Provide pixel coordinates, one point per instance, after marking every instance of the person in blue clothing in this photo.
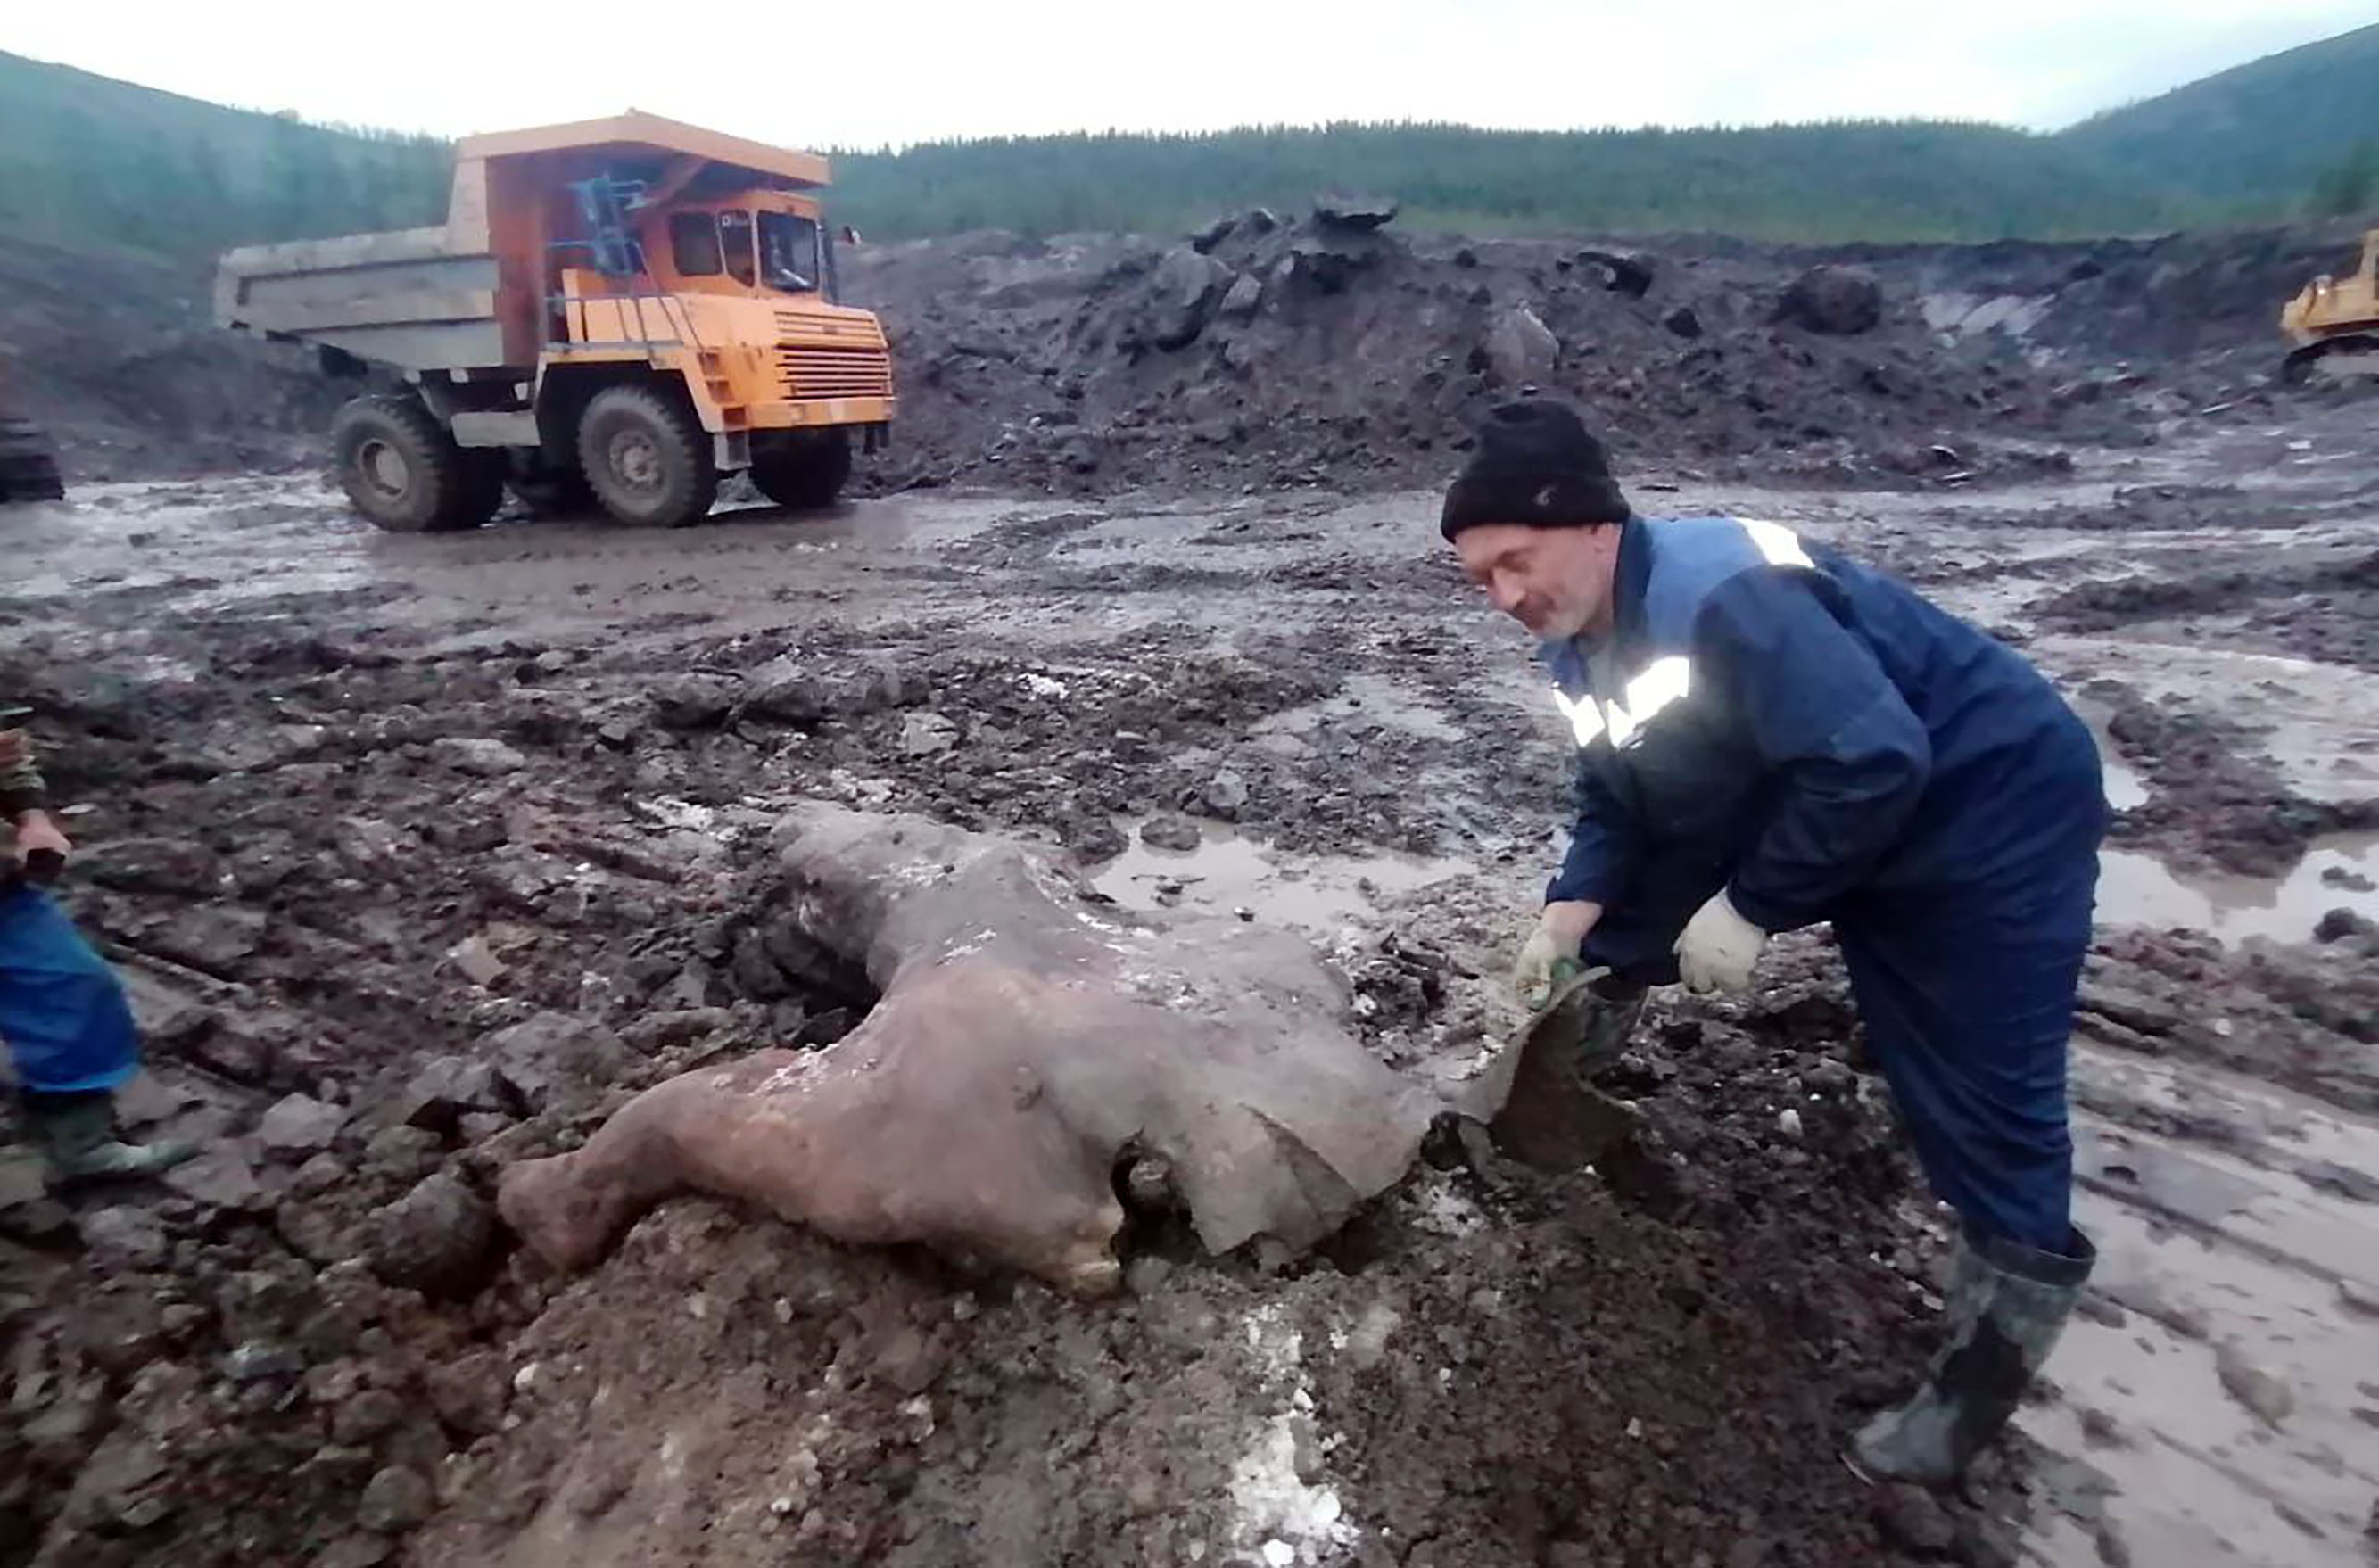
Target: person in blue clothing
(1770, 735)
(70, 1038)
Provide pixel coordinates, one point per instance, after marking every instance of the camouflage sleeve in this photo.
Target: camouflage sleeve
(21, 780)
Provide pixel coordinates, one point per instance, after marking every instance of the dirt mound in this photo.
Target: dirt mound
(1267, 354)
(116, 352)
(1334, 350)
(2178, 323)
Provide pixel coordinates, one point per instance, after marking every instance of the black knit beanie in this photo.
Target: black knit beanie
(1536, 464)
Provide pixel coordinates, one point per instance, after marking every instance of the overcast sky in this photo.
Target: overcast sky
(871, 72)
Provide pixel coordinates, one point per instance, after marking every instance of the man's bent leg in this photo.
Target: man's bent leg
(1969, 1015)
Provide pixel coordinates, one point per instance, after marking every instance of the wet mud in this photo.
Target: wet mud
(421, 854)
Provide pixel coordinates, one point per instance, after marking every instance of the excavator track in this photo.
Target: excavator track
(29, 464)
(2353, 353)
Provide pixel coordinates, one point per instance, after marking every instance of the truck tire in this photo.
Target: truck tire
(646, 458)
(403, 471)
(805, 474)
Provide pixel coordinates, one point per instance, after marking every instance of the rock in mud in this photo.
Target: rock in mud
(220, 1178)
(403, 1154)
(1182, 296)
(1840, 301)
(446, 1090)
(355, 1552)
(1339, 209)
(1204, 240)
(543, 1057)
(298, 1124)
(756, 973)
(692, 702)
(438, 1240)
(1622, 272)
(682, 1026)
(1242, 300)
(1682, 321)
(2127, 1005)
(2262, 1390)
(363, 1418)
(2339, 1181)
(213, 938)
(28, 1212)
(478, 755)
(394, 1500)
(927, 734)
(122, 1237)
(1328, 262)
(1225, 795)
(1521, 349)
(2338, 925)
(1913, 1519)
(468, 1392)
(476, 961)
(1176, 833)
(154, 865)
(2359, 1296)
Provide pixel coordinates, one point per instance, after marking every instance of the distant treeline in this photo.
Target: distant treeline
(1904, 180)
(86, 158)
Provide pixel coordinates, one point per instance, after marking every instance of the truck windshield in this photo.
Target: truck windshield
(789, 252)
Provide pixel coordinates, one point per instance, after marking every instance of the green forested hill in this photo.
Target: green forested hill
(2279, 129)
(84, 158)
(1912, 180)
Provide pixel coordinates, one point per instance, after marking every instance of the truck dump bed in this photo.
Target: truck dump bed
(411, 298)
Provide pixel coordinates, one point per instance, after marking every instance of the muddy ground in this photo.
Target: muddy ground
(422, 853)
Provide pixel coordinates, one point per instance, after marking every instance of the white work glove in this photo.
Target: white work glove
(1551, 948)
(1718, 949)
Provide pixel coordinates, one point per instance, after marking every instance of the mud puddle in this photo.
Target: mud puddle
(2341, 873)
(1228, 873)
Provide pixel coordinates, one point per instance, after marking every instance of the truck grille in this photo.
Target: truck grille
(809, 370)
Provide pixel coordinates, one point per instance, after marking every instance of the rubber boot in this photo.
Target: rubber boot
(2007, 1303)
(77, 1134)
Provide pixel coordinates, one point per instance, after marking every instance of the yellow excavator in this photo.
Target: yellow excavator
(2335, 322)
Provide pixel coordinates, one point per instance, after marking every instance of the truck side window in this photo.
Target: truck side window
(693, 241)
(735, 236)
(789, 252)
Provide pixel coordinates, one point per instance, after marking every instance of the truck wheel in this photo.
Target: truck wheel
(646, 458)
(403, 472)
(805, 475)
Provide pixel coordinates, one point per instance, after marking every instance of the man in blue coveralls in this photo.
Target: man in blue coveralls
(1771, 735)
(63, 1015)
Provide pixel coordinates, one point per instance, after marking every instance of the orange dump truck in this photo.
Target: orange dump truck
(619, 310)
